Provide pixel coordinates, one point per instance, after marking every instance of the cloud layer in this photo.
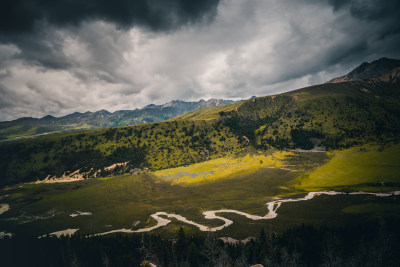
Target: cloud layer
(125, 57)
(24, 16)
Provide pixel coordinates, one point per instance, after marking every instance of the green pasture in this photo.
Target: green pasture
(124, 200)
(128, 201)
(365, 166)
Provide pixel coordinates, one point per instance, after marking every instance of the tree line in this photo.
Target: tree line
(371, 244)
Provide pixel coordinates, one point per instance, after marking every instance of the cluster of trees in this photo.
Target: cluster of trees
(155, 146)
(282, 121)
(245, 120)
(337, 121)
(371, 244)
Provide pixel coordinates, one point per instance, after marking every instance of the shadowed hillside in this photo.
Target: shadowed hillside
(333, 115)
(371, 70)
(32, 127)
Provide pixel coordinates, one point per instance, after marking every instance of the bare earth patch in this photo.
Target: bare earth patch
(4, 207)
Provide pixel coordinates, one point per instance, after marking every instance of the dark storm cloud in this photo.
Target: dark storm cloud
(381, 11)
(369, 9)
(372, 28)
(41, 48)
(58, 57)
(26, 23)
(383, 19)
(21, 16)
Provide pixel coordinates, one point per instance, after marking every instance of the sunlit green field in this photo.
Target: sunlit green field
(243, 184)
(356, 166)
(226, 167)
(124, 200)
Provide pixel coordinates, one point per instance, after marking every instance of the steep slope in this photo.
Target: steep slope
(333, 115)
(99, 153)
(32, 127)
(366, 70)
(208, 113)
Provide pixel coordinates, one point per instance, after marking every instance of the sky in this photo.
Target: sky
(65, 56)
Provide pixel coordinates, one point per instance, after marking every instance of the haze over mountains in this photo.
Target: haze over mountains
(305, 174)
(332, 150)
(381, 70)
(29, 127)
(333, 115)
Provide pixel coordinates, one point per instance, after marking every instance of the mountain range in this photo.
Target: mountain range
(331, 115)
(326, 155)
(382, 70)
(30, 127)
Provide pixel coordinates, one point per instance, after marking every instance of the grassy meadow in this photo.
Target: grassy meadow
(361, 166)
(227, 167)
(239, 156)
(243, 183)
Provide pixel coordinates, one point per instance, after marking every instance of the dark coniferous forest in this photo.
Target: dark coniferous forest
(372, 244)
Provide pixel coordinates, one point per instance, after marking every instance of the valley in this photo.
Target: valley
(325, 156)
(26, 128)
(240, 187)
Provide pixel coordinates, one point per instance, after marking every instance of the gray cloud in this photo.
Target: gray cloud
(19, 17)
(29, 23)
(96, 62)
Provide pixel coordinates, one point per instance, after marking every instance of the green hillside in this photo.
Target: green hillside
(335, 116)
(337, 136)
(209, 113)
(365, 166)
(155, 146)
(31, 127)
(244, 183)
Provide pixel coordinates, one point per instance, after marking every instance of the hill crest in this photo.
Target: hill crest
(381, 67)
(32, 127)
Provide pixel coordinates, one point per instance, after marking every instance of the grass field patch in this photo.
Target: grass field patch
(354, 166)
(222, 167)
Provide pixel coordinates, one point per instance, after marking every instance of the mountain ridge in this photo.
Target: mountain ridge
(30, 127)
(383, 70)
(373, 70)
(212, 102)
(331, 115)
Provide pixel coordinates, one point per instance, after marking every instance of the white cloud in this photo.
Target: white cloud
(251, 48)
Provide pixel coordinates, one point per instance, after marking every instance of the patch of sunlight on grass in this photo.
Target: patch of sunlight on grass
(222, 167)
(354, 166)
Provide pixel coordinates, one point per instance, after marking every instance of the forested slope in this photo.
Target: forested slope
(33, 127)
(332, 115)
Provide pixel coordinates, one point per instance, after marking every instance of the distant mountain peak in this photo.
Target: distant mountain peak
(174, 103)
(151, 106)
(103, 118)
(48, 117)
(103, 111)
(212, 102)
(365, 71)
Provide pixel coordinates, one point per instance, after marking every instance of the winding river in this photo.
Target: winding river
(272, 207)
